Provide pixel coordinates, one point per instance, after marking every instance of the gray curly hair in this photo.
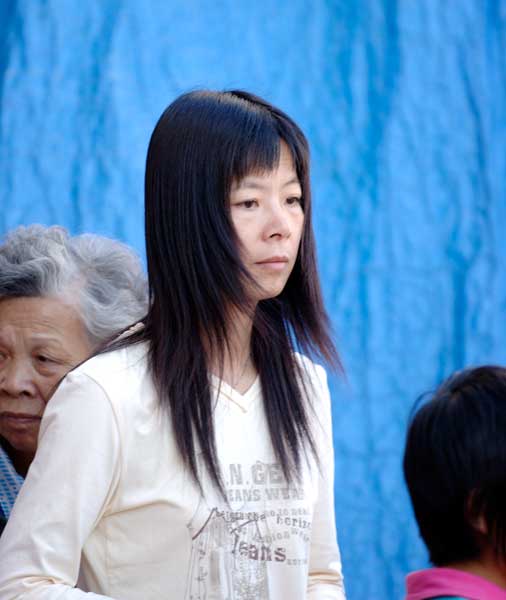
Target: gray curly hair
(102, 277)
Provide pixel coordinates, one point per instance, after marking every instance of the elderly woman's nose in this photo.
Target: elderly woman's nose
(16, 379)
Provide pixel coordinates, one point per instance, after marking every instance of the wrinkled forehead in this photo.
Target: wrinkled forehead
(39, 317)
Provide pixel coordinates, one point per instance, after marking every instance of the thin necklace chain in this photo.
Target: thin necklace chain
(243, 370)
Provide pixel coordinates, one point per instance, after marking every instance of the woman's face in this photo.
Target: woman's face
(41, 339)
(267, 215)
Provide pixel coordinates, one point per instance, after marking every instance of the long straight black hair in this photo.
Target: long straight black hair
(202, 143)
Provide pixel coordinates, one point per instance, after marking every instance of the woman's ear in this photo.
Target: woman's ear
(480, 524)
(474, 513)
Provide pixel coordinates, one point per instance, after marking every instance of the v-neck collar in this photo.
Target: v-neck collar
(243, 401)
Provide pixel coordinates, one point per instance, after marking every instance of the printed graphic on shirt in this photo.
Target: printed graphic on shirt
(235, 543)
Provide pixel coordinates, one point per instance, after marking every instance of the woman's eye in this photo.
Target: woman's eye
(248, 203)
(43, 359)
(294, 200)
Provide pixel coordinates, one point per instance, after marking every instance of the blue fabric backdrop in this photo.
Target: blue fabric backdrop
(404, 104)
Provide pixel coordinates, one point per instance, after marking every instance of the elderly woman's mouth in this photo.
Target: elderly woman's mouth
(19, 420)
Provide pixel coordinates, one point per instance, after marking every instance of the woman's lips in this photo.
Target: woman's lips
(19, 420)
(275, 263)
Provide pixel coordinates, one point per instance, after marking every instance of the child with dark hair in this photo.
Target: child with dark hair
(455, 470)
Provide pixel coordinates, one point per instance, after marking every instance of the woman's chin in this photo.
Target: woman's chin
(24, 442)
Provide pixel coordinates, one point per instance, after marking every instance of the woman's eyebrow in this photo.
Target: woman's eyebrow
(250, 184)
(291, 181)
(256, 184)
(50, 342)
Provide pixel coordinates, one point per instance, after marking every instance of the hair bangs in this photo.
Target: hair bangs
(258, 141)
(259, 152)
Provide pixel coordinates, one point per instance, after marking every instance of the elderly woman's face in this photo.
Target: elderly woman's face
(41, 339)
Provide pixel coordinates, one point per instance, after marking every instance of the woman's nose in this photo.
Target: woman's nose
(17, 380)
(277, 223)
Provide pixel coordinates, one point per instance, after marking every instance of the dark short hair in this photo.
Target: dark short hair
(455, 465)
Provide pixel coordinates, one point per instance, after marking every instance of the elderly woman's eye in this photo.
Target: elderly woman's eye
(43, 359)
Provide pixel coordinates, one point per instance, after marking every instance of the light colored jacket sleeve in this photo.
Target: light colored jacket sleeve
(66, 492)
(325, 573)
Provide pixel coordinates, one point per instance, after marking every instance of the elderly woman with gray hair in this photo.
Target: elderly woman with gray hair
(61, 299)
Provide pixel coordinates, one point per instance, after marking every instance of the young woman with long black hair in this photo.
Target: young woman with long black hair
(193, 459)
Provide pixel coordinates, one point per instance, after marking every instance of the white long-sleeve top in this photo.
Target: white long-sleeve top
(108, 506)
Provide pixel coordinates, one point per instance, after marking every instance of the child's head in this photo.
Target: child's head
(455, 467)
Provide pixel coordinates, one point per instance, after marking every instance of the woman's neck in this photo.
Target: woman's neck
(21, 461)
(238, 369)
